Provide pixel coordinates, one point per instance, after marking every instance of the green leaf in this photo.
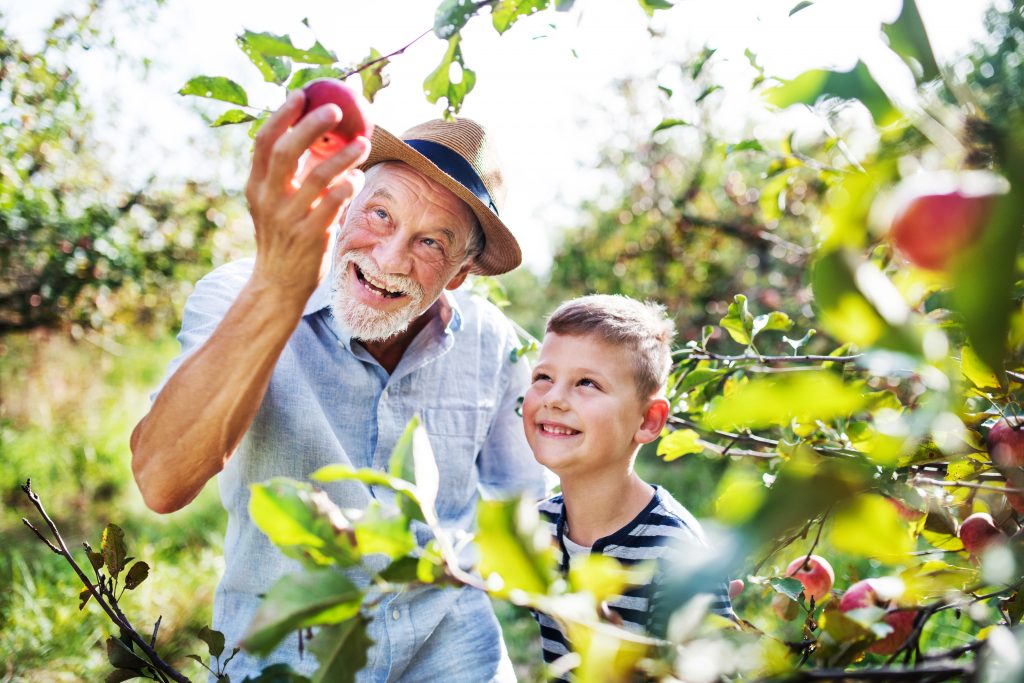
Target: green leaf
(976, 372)
(119, 675)
(790, 587)
(121, 656)
(272, 45)
(303, 76)
(870, 526)
(231, 117)
(341, 650)
(514, 546)
(312, 598)
(776, 320)
(800, 6)
(983, 277)
(776, 400)
(856, 84)
(257, 124)
(564, 5)
(492, 289)
(707, 91)
(670, 123)
(274, 69)
(745, 146)
(413, 460)
(377, 532)
(451, 16)
(402, 570)
(275, 673)
(738, 322)
(373, 77)
(304, 523)
(679, 443)
(214, 640)
(113, 549)
(95, 558)
(700, 376)
(507, 12)
(137, 573)
(909, 39)
(650, 6)
(216, 88)
(439, 84)
(701, 61)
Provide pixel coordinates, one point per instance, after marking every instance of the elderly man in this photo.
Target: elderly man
(286, 367)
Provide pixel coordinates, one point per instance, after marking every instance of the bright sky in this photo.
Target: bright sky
(532, 91)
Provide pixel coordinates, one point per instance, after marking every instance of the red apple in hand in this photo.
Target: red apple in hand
(940, 214)
(354, 119)
(815, 574)
(882, 593)
(978, 532)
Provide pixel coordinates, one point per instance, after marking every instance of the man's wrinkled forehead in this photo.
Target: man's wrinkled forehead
(388, 178)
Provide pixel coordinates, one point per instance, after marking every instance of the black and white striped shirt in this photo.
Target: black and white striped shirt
(660, 529)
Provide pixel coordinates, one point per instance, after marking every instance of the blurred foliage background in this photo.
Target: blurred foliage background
(94, 272)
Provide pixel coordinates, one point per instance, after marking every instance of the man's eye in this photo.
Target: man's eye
(432, 243)
(380, 213)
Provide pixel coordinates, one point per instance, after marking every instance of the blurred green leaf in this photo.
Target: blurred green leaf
(800, 6)
(909, 39)
(514, 545)
(679, 443)
(272, 45)
(739, 496)
(231, 117)
(217, 88)
(439, 84)
(788, 586)
(701, 61)
(858, 84)
(275, 673)
(869, 526)
(670, 123)
(113, 549)
(983, 277)
(214, 640)
(121, 675)
(274, 69)
(451, 16)
(311, 598)
(650, 6)
(373, 77)
(504, 13)
(83, 597)
(774, 321)
(976, 372)
(302, 77)
(341, 650)
(378, 532)
(775, 400)
(121, 656)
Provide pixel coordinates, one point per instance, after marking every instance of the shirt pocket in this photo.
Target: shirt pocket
(454, 439)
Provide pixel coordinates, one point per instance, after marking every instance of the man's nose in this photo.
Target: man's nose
(392, 254)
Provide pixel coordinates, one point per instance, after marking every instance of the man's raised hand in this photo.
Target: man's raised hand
(292, 215)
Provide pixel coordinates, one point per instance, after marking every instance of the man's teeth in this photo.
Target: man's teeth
(564, 431)
(379, 288)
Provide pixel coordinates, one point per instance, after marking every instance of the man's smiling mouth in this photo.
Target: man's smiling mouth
(378, 289)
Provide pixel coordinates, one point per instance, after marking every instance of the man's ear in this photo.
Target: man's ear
(655, 417)
(460, 277)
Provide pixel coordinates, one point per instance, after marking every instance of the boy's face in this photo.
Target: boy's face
(582, 412)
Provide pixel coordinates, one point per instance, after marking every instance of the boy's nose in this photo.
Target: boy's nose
(555, 398)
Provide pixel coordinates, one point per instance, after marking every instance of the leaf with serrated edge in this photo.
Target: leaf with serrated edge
(373, 77)
(739, 323)
(231, 117)
(274, 69)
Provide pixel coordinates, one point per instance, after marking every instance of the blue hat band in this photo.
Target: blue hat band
(456, 167)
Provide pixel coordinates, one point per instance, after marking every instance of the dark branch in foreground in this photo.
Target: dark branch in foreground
(111, 607)
(931, 672)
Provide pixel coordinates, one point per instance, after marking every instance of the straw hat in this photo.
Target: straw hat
(459, 155)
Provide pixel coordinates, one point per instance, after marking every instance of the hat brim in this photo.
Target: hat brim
(501, 252)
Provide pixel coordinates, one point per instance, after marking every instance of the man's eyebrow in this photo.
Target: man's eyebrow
(381, 192)
(449, 235)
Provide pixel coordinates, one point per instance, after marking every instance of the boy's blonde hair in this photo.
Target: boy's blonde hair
(640, 329)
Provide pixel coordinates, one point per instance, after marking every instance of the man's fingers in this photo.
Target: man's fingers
(284, 157)
(276, 126)
(348, 157)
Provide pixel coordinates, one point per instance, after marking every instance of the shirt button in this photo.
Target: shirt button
(384, 395)
(396, 615)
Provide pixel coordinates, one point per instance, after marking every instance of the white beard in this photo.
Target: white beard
(366, 323)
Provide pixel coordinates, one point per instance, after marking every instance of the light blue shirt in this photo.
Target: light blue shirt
(330, 402)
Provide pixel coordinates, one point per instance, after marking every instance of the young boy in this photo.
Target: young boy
(597, 395)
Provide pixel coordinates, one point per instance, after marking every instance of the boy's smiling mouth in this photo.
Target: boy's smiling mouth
(556, 430)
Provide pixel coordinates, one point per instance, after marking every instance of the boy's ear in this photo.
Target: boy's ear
(655, 418)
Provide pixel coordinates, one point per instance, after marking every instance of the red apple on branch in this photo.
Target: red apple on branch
(354, 123)
(815, 573)
(978, 532)
(939, 214)
(882, 593)
(1006, 442)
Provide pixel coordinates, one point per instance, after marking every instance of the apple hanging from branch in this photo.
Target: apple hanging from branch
(355, 121)
(882, 593)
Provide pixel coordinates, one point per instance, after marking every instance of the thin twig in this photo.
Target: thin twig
(957, 483)
(698, 354)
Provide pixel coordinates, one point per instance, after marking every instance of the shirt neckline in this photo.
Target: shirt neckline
(614, 537)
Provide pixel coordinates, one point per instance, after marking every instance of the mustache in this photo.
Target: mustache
(369, 269)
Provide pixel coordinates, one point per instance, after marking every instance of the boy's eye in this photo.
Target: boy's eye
(587, 382)
(540, 377)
